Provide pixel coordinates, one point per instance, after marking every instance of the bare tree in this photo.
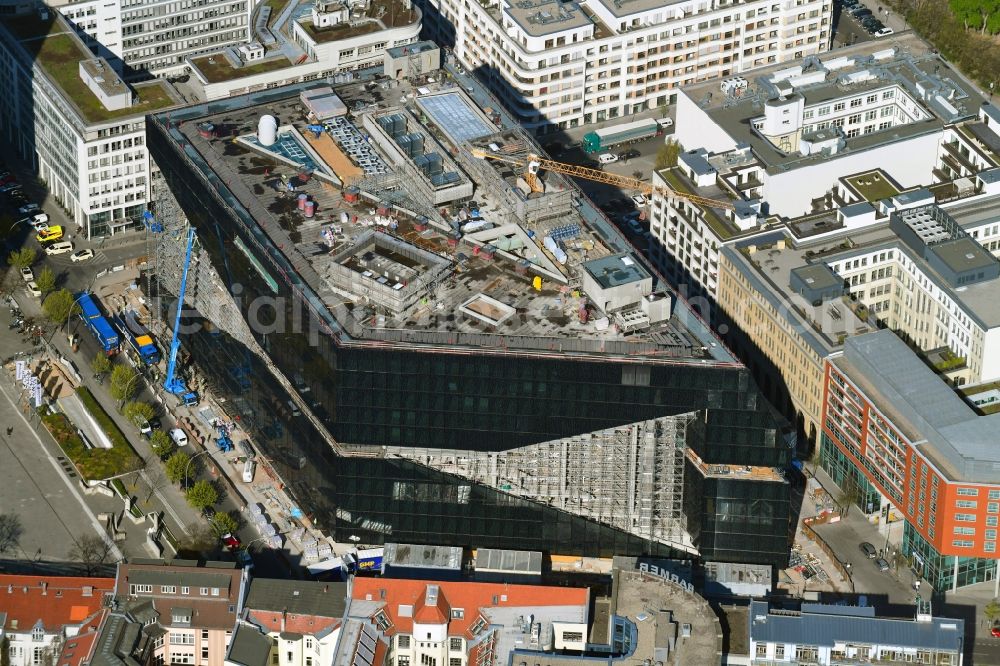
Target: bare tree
(156, 477)
(91, 551)
(11, 530)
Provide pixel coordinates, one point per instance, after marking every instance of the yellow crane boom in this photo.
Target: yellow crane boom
(535, 163)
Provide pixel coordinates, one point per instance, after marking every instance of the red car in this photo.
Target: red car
(231, 541)
(995, 631)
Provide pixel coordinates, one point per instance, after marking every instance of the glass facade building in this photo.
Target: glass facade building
(370, 396)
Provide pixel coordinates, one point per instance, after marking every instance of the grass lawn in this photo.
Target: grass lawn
(220, 70)
(60, 53)
(95, 464)
(873, 186)
(338, 32)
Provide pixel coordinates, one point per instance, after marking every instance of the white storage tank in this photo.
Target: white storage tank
(267, 130)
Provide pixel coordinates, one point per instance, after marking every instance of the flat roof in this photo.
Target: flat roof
(963, 254)
(501, 265)
(826, 626)
(615, 270)
(914, 68)
(622, 8)
(542, 17)
(216, 68)
(943, 426)
(57, 49)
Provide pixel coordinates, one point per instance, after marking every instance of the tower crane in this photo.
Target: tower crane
(532, 164)
(173, 383)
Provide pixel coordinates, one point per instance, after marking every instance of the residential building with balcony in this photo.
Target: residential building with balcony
(80, 126)
(562, 64)
(40, 615)
(828, 635)
(189, 608)
(784, 164)
(920, 454)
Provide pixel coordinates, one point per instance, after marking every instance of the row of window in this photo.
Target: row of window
(138, 588)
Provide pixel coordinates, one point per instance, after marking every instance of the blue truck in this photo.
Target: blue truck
(137, 336)
(98, 324)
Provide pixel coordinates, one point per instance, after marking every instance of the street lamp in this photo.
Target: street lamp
(191, 460)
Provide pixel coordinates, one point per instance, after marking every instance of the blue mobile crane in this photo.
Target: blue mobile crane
(173, 383)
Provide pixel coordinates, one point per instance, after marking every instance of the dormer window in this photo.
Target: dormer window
(382, 621)
(38, 634)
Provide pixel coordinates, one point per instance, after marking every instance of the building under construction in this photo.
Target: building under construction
(432, 347)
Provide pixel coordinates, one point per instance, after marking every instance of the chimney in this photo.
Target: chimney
(88, 590)
(45, 588)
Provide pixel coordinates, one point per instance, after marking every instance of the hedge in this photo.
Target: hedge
(95, 464)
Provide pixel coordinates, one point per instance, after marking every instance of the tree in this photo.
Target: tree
(45, 280)
(176, 465)
(59, 305)
(22, 258)
(11, 530)
(850, 494)
(156, 477)
(101, 364)
(123, 383)
(992, 612)
(667, 155)
(137, 412)
(976, 14)
(202, 542)
(92, 551)
(202, 495)
(223, 523)
(161, 444)
(5, 651)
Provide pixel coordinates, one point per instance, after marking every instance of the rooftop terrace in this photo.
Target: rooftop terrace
(381, 14)
(392, 277)
(217, 68)
(58, 50)
(543, 17)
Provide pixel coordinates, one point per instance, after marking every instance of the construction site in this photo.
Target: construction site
(407, 310)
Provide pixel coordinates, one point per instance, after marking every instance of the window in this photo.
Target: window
(961, 544)
(403, 660)
(888, 94)
(855, 119)
(824, 110)
(403, 642)
(203, 591)
(839, 106)
(968, 492)
(215, 591)
(181, 616)
(457, 613)
(995, 494)
(965, 531)
(455, 644)
(185, 589)
(477, 627)
(886, 111)
(761, 649)
(990, 546)
(309, 660)
(871, 99)
(309, 643)
(806, 115)
(965, 517)
(38, 634)
(37, 655)
(140, 589)
(991, 521)
(204, 634)
(274, 658)
(965, 504)
(855, 103)
(572, 636)
(779, 651)
(455, 661)
(168, 589)
(178, 638)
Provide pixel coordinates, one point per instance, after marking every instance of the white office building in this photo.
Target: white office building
(156, 35)
(561, 64)
(74, 119)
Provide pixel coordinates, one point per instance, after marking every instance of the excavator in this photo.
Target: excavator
(532, 164)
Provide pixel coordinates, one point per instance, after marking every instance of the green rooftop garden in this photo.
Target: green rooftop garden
(338, 32)
(59, 52)
(220, 69)
(94, 464)
(679, 184)
(873, 186)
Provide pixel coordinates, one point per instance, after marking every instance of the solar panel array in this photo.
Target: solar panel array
(565, 232)
(453, 115)
(351, 140)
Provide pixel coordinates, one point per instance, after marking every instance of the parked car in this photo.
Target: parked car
(995, 632)
(179, 436)
(50, 234)
(883, 31)
(62, 247)
(27, 274)
(869, 20)
(145, 428)
(34, 290)
(607, 158)
(10, 187)
(861, 14)
(40, 218)
(82, 255)
(231, 541)
(639, 199)
(635, 227)
(869, 550)
(629, 154)
(27, 209)
(881, 564)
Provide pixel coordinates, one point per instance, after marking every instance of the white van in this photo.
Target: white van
(607, 158)
(248, 470)
(62, 247)
(179, 436)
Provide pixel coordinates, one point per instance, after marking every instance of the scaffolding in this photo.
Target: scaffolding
(630, 477)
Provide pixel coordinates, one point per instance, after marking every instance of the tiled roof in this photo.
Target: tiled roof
(298, 623)
(452, 596)
(297, 597)
(54, 601)
(207, 612)
(78, 649)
